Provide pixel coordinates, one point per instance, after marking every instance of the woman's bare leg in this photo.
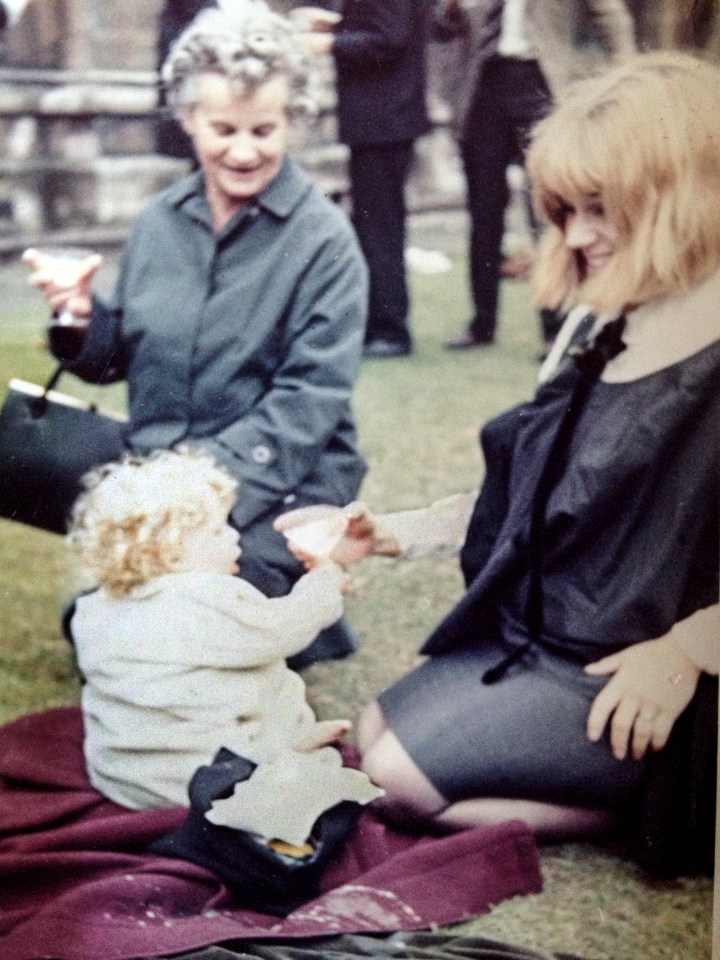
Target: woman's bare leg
(410, 797)
(548, 821)
(371, 724)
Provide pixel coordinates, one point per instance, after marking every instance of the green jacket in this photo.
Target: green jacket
(246, 342)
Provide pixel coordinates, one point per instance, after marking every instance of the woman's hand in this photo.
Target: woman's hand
(652, 683)
(75, 296)
(316, 27)
(359, 540)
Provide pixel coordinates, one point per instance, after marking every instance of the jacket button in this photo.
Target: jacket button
(261, 454)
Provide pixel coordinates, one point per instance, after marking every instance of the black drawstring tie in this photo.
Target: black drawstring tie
(590, 360)
(493, 674)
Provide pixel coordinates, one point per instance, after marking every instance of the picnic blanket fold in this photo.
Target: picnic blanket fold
(77, 881)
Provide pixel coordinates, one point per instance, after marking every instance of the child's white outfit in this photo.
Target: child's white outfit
(189, 663)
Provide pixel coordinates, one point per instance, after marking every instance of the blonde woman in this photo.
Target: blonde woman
(591, 555)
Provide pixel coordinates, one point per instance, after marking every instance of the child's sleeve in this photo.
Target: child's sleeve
(273, 627)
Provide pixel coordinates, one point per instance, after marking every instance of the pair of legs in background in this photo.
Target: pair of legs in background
(456, 753)
(512, 96)
(378, 175)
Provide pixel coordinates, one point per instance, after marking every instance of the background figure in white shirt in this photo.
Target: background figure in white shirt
(179, 656)
(515, 57)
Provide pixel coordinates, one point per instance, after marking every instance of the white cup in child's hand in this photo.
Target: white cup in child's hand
(318, 538)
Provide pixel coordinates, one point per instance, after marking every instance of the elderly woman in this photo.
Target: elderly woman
(591, 555)
(239, 312)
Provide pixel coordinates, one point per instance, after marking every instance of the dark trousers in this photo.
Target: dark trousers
(378, 173)
(512, 96)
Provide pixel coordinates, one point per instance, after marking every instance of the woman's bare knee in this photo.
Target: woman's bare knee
(407, 789)
(370, 726)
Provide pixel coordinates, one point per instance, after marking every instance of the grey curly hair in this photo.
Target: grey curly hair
(244, 41)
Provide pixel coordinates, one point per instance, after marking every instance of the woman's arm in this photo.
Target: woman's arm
(102, 358)
(652, 683)
(99, 360)
(434, 530)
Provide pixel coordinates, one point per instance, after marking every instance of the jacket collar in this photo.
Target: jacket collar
(279, 199)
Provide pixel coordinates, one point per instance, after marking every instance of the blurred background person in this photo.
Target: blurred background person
(379, 49)
(175, 15)
(515, 55)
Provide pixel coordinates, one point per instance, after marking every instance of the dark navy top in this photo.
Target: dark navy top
(631, 531)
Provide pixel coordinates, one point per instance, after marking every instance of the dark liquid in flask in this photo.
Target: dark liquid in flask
(66, 340)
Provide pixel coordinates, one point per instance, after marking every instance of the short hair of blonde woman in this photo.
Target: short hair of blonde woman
(131, 522)
(248, 44)
(644, 137)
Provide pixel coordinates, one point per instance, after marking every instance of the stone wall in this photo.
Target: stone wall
(84, 35)
(77, 153)
(78, 94)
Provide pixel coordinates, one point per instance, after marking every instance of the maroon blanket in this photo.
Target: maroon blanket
(77, 884)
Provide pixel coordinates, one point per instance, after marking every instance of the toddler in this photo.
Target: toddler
(179, 656)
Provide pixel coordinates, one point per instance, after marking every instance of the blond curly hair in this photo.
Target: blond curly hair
(130, 524)
(645, 138)
(247, 43)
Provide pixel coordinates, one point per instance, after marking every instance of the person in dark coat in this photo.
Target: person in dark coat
(590, 625)
(238, 316)
(170, 138)
(379, 52)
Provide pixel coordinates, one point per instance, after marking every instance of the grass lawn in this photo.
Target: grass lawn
(418, 420)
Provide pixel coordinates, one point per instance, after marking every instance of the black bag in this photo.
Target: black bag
(260, 878)
(48, 440)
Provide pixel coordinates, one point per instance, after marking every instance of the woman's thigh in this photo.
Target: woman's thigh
(523, 736)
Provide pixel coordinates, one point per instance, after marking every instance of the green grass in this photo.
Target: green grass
(418, 420)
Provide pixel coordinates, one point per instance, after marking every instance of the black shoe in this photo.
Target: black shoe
(468, 340)
(386, 348)
(336, 641)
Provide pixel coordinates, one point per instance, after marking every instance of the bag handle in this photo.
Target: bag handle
(38, 405)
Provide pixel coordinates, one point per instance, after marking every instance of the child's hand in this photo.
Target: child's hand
(346, 584)
(323, 733)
